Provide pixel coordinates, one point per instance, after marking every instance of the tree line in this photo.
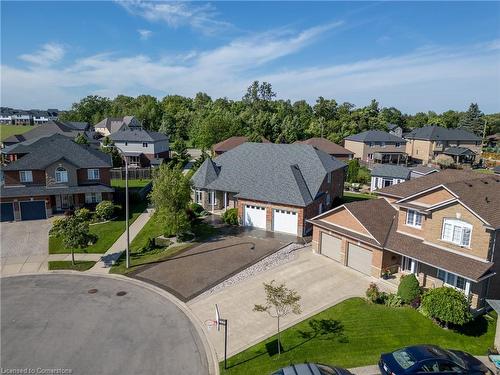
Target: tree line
(202, 121)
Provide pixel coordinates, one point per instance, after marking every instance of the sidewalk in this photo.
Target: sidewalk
(38, 263)
(106, 260)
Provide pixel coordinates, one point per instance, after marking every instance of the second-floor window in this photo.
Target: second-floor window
(457, 232)
(144, 144)
(25, 176)
(398, 144)
(93, 174)
(414, 219)
(61, 175)
(329, 178)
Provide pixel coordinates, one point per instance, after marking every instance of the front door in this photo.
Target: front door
(408, 265)
(64, 202)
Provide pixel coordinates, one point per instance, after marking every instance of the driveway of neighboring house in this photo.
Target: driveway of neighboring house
(199, 268)
(320, 281)
(24, 246)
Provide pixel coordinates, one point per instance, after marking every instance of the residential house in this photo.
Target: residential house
(230, 143)
(111, 125)
(6, 115)
(53, 174)
(492, 141)
(23, 117)
(43, 117)
(383, 175)
(443, 228)
(140, 146)
(425, 144)
(422, 170)
(395, 130)
(376, 146)
(329, 147)
(275, 187)
(68, 129)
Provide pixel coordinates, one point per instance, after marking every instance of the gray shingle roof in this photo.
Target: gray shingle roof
(458, 151)
(137, 135)
(48, 150)
(394, 171)
(375, 136)
(438, 133)
(44, 190)
(278, 173)
(424, 170)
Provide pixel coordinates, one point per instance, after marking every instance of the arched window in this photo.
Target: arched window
(61, 175)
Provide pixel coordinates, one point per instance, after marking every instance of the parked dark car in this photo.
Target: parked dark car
(423, 359)
(312, 369)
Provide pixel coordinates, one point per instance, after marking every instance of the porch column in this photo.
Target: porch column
(413, 266)
(213, 200)
(399, 155)
(225, 200)
(467, 288)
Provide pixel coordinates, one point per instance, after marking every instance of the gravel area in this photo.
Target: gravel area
(278, 258)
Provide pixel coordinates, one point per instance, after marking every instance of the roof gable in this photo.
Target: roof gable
(327, 146)
(375, 136)
(438, 133)
(344, 218)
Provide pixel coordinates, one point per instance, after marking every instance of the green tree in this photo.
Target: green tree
(81, 139)
(280, 301)
(91, 109)
(170, 196)
(74, 232)
(472, 120)
(352, 170)
(446, 305)
(409, 288)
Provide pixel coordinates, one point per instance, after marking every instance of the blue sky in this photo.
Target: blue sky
(415, 56)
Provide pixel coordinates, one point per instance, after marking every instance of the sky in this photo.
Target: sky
(416, 56)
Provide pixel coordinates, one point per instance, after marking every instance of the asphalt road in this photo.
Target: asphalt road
(52, 322)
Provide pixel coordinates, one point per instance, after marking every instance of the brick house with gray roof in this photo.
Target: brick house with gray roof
(275, 187)
(444, 228)
(376, 146)
(53, 174)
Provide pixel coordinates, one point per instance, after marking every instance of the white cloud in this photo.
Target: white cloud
(427, 79)
(144, 34)
(48, 54)
(176, 14)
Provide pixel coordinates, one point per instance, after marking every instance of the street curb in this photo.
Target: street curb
(211, 356)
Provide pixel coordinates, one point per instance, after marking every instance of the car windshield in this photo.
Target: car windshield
(403, 358)
(326, 370)
(455, 358)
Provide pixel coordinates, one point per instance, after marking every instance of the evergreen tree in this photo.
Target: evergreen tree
(472, 120)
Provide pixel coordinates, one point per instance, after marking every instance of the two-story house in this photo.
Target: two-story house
(329, 147)
(376, 146)
(53, 174)
(42, 117)
(114, 124)
(425, 144)
(141, 147)
(275, 187)
(444, 228)
(395, 130)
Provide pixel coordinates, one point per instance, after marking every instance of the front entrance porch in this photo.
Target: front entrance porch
(215, 201)
(390, 158)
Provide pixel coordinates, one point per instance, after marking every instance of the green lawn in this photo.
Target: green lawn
(150, 230)
(131, 183)
(484, 171)
(66, 265)
(8, 130)
(107, 233)
(355, 333)
(350, 196)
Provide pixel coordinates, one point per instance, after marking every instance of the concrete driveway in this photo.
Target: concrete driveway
(52, 321)
(197, 269)
(320, 281)
(24, 245)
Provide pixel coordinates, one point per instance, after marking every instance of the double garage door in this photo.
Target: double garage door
(30, 210)
(283, 220)
(358, 258)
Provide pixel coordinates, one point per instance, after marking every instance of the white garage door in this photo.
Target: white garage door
(360, 259)
(255, 216)
(285, 221)
(330, 246)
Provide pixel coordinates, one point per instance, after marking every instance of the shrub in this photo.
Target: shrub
(352, 170)
(105, 210)
(197, 209)
(409, 288)
(372, 293)
(364, 176)
(150, 245)
(393, 300)
(230, 216)
(83, 214)
(162, 242)
(57, 227)
(446, 305)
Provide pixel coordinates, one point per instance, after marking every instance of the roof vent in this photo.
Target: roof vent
(487, 199)
(468, 184)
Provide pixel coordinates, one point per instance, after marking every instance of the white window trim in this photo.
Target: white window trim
(25, 176)
(93, 198)
(212, 198)
(198, 196)
(450, 280)
(456, 223)
(414, 224)
(93, 174)
(60, 171)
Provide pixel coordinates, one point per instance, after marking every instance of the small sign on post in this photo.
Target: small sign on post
(222, 322)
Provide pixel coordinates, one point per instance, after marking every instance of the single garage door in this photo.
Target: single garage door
(330, 246)
(255, 216)
(360, 259)
(285, 221)
(33, 210)
(7, 212)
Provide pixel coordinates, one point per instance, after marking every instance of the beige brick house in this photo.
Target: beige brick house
(376, 146)
(275, 187)
(444, 228)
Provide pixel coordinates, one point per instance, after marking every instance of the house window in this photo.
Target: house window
(93, 174)
(144, 144)
(398, 144)
(328, 200)
(25, 176)
(61, 175)
(452, 280)
(382, 144)
(386, 182)
(414, 219)
(370, 156)
(320, 208)
(126, 143)
(212, 199)
(93, 198)
(457, 232)
(198, 196)
(329, 178)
